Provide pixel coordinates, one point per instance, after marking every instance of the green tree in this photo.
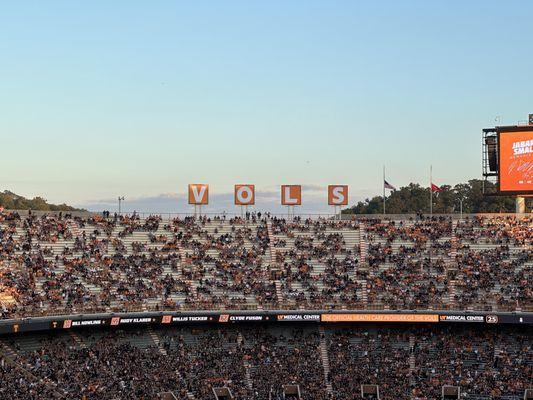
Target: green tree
(12, 201)
(413, 198)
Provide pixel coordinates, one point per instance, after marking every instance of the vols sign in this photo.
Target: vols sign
(291, 195)
(244, 195)
(516, 161)
(198, 194)
(338, 195)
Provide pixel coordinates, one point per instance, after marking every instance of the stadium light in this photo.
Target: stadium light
(120, 200)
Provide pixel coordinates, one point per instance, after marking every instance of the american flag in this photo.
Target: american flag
(387, 185)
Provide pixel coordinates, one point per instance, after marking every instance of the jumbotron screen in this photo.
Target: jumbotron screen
(516, 161)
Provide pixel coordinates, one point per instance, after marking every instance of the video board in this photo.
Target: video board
(516, 161)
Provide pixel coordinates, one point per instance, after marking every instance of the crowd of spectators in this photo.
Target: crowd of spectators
(15, 384)
(60, 263)
(107, 369)
(285, 357)
(256, 362)
(483, 362)
(494, 275)
(214, 358)
(366, 357)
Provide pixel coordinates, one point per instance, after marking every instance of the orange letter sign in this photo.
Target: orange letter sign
(291, 195)
(198, 194)
(338, 195)
(244, 195)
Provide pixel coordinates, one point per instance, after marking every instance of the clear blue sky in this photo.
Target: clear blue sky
(139, 98)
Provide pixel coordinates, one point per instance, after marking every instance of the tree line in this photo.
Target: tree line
(414, 198)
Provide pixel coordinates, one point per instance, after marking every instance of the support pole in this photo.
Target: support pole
(384, 210)
(520, 205)
(431, 190)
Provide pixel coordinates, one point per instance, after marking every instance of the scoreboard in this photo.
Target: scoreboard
(508, 159)
(516, 161)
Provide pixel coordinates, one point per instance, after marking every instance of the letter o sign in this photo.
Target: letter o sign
(244, 195)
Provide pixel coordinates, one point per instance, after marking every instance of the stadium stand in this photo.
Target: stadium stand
(61, 264)
(64, 264)
(258, 362)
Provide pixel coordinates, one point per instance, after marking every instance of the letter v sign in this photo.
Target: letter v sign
(198, 194)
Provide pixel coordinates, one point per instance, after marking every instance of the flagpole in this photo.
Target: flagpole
(431, 190)
(384, 191)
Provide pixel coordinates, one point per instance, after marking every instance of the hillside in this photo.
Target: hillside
(12, 201)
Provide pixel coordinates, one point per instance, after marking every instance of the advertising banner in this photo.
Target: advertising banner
(303, 316)
(374, 317)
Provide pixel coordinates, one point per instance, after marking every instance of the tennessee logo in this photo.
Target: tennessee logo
(167, 319)
(223, 318)
(115, 321)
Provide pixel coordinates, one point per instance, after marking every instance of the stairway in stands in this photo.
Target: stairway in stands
(273, 264)
(183, 255)
(279, 292)
(156, 340)
(248, 376)
(363, 291)
(451, 292)
(363, 245)
(247, 366)
(451, 264)
(76, 231)
(8, 350)
(325, 358)
(184, 261)
(78, 340)
(498, 350)
(454, 242)
(412, 363)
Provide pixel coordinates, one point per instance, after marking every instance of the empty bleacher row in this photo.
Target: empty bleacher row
(260, 362)
(56, 264)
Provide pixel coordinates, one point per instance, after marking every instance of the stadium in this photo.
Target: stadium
(266, 201)
(261, 306)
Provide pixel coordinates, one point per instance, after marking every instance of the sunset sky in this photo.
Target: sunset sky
(135, 98)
